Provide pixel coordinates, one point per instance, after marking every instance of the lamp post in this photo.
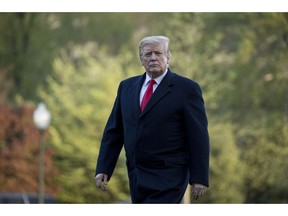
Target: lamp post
(41, 118)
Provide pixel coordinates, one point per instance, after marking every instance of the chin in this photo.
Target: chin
(155, 74)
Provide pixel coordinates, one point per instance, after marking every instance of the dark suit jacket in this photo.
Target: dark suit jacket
(167, 145)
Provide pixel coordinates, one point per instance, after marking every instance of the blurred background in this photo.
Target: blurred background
(73, 62)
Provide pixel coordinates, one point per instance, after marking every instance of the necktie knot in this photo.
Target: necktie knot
(152, 82)
(148, 93)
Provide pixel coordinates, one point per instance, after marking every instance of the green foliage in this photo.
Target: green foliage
(238, 60)
(25, 52)
(264, 152)
(75, 61)
(80, 98)
(227, 171)
(29, 43)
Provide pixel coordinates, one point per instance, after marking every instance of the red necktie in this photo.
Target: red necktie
(147, 94)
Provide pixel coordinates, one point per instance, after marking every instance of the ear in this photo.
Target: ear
(141, 61)
(168, 56)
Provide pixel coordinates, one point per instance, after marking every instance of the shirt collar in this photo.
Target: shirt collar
(157, 80)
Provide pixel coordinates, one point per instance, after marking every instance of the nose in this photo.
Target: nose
(153, 57)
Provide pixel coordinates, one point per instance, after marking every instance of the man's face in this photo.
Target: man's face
(154, 59)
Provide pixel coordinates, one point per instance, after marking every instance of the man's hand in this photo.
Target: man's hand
(101, 180)
(198, 190)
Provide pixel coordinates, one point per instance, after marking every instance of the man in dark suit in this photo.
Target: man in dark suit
(166, 139)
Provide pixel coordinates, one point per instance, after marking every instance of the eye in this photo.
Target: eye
(148, 54)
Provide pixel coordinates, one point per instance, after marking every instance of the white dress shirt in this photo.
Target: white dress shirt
(146, 83)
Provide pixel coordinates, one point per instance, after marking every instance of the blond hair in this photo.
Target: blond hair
(155, 40)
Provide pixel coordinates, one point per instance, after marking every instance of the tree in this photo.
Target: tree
(240, 62)
(239, 59)
(24, 44)
(19, 152)
(29, 43)
(226, 169)
(80, 99)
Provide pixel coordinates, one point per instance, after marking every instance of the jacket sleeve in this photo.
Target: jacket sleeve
(112, 140)
(196, 126)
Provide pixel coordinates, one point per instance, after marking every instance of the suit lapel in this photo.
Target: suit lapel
(162, 90)
(135, 89)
